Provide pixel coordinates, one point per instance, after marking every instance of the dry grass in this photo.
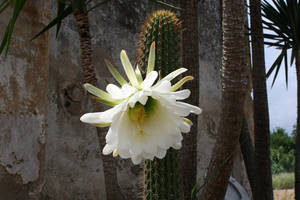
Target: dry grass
(284, 194)
(283, 181)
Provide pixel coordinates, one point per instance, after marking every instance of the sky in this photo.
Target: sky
(282, 100)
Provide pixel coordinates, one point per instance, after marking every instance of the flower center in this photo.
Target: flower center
(137, 113)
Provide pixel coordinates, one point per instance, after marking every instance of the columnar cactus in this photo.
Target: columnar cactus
(162, 177)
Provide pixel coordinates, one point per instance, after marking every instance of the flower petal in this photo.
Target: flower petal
(101, 117)
(124, 153)
(136, 159)
(162, 86)
(185, 127)
(149, 80)
(132, 100)
(114, 91)
(128, 90)
(142, 98)
(151, 59)
(161, 153)
(182, 94)
(108, 149)
(138, 74)
(177, 85)
(128, 69)
(177, 146)
(114, 72)
(193, 109)
(174, 74)
(97, 92)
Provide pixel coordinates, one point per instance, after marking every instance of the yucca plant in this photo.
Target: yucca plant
(282, 20)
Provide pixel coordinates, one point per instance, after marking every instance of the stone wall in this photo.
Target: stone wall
(46, 153)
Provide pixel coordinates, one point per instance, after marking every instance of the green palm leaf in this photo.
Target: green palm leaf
(282, 20)
(64, 9)
(62, 13)
(10, 27)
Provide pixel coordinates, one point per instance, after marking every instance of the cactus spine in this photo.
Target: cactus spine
(162, 178)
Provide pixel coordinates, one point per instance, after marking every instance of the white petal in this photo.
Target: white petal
(185, 127)
(125, 130)
(162, 86)
(128, 90)
(148, 156)
(142, 98)
(182, 94)
(151, 60)
(179, 110)
(174, 74)
(110, 136)
(101, 117)
(193, 109)
(161, 153)
(150, 147)
(136, 160)
(108, 149)
(177, 146)
(149, 80)
(128, 69)
(132, 100)
(124, 153)
(114, 91)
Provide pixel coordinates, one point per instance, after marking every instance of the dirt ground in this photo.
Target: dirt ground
(284, 194)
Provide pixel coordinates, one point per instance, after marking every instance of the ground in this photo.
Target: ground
(284, 194)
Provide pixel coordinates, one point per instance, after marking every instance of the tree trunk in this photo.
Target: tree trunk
(234, 86)
(190, 60)
(109, 163)
(297, 153)
(263, 176)
(248, 153)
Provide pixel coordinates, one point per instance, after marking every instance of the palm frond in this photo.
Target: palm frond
(165, 4)
(56, 21)
(10, 27)
(282, 20)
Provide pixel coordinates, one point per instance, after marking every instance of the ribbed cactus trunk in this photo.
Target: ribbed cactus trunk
(162, 177)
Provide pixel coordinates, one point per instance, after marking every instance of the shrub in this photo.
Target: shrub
(283, 181)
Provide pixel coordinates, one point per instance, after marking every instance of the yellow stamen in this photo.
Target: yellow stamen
(115, 153)
(137, 114)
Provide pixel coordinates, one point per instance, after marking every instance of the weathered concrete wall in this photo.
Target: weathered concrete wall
(23, 105)
(46, 153)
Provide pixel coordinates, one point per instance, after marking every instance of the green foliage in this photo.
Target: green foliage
(18, 5)
(282, 151)
(67, 7)
(162, 178)
(283, 181)
(283, 22)
(64, 9)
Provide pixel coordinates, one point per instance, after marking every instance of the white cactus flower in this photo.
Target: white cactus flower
(147, 117)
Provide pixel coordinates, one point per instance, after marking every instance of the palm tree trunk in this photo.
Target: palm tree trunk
(234, 86)
(109, 165)
(190, 59)
(263, 176)
(297, 153)
(248, 153)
